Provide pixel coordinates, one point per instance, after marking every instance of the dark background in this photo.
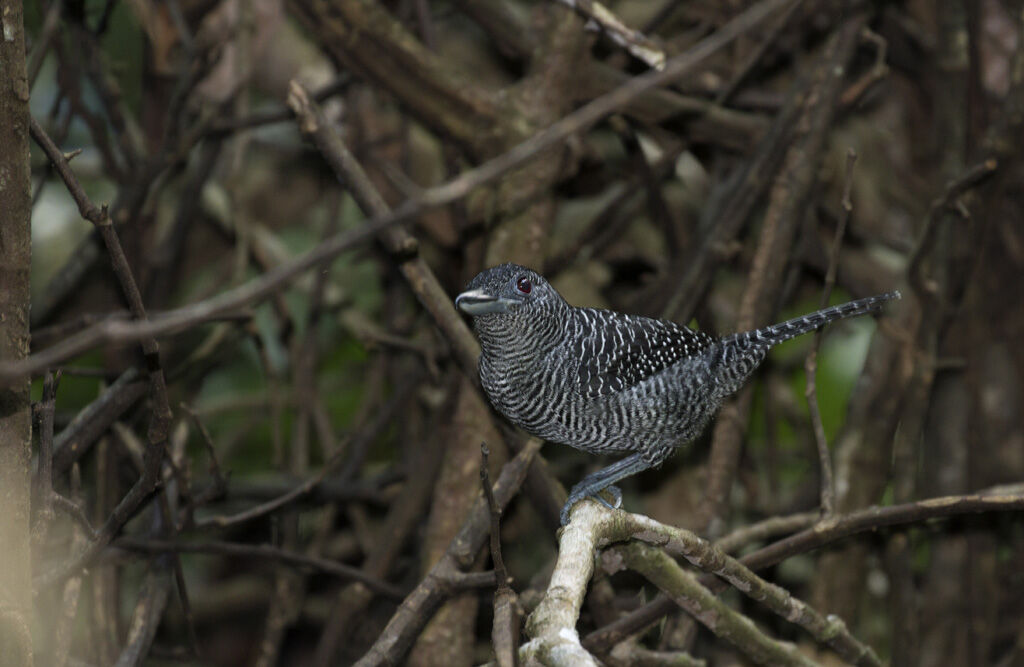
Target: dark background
(714, 201)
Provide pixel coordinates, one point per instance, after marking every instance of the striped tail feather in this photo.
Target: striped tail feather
(739, 354)
(766, 337)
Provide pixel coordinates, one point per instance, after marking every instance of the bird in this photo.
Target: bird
(607, 382)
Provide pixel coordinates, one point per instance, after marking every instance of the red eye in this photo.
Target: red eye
(523, 285)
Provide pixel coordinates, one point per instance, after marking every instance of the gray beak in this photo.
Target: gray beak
(478, 302)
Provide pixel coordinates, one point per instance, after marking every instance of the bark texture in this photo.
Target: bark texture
(15, 408)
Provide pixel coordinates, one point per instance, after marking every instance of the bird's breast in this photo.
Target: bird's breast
(530, 391)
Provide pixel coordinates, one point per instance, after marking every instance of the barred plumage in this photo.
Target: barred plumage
(607, 382)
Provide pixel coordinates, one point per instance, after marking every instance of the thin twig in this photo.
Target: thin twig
(260, 551)
(330, 466)
(219, 485)
(790, 189)
(360, 442)
(160, 416)
(877, 72)
(94, 419)
(42, 42)
(44, 478)
(384, 549)
(495, 515)
(65, 624)
(634, 41)
(762, 530)
(149, 609)
(75, 511)
(726, 93)
(505, 635)
(268, 117)
(926, 288)
(828, 487)
(260, 288)
(419, 606)
(400, 243)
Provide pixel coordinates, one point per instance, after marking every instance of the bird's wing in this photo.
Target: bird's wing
(625, 350)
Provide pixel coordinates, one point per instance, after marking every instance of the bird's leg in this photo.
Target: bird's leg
(594, 483)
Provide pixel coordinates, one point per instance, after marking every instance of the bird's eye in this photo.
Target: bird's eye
(523, 285)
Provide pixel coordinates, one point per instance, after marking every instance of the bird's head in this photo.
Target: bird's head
(508, 296)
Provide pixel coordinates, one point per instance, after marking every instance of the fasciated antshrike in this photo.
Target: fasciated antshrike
(606, 382)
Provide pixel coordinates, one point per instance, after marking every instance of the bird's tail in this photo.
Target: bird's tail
(769, 336)
(739, 354)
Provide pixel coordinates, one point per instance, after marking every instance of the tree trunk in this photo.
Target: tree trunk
(15, 406)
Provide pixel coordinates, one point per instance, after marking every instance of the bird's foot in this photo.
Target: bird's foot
(616, 494)
(577, 494)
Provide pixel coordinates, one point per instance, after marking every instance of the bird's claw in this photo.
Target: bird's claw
(565, 513)
(616, 495)
(574, 498)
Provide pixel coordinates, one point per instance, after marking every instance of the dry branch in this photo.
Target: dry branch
(552, 625)
(370, 41)
(747, 110)
(789, 194)
(92, 421)
(831, 630)
(160, 416)
(419, 606)
(828, 489)
(149, 609)
(505, 635)
(601, 18)
(825, 532)
(684, 589)
(261, 552)
(459, 187)
(418, 274)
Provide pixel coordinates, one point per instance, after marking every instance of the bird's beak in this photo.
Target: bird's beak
(479, 302)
